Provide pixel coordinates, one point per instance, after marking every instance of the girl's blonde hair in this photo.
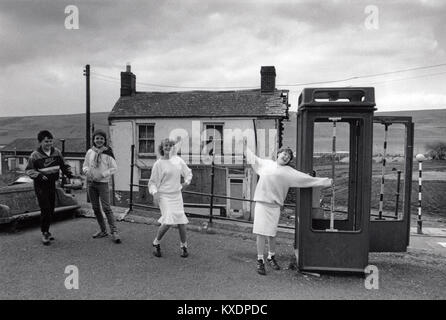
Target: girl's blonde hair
(161, 145)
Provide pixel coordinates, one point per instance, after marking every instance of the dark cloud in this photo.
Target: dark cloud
(207, 43)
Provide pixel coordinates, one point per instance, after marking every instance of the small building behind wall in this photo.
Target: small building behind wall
(14, 156)
(204, 120)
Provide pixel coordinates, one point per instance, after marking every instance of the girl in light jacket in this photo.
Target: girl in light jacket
(99, 166)
(165, 186)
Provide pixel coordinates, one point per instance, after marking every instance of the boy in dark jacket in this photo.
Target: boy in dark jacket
(43, 167)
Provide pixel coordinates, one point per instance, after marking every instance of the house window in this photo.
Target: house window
(146, 138)
(214, 134)
(21, 161)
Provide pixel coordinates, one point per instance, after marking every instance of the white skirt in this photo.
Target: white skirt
(172, 208)
(266, 219)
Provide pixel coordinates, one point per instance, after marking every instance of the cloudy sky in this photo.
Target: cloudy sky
(399, 47)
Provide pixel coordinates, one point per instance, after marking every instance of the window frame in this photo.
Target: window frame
(139, 139)
(222, 124)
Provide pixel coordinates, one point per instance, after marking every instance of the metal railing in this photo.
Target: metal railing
(211, 195)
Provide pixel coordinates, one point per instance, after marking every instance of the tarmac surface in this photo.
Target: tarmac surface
(221, 265)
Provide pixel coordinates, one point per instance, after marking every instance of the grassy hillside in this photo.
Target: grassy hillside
(62, 126)
(430, 125)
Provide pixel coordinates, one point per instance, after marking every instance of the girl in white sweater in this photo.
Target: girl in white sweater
(275, 179)
(165, 186)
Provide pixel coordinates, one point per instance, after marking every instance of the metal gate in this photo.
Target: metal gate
(390, 212)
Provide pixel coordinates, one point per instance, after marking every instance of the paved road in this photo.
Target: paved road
(431, 244)
(219, 267)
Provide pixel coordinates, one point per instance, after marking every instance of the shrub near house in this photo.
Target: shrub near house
(436, 150)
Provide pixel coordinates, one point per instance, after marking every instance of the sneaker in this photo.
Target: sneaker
(50, 236)
(261, 267)
(184, 252)
(157, 250)
(45, 239)
(274, 263)
(116, 238)
(100, 234)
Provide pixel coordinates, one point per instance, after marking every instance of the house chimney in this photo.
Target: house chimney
(128, 82)
(267, 79)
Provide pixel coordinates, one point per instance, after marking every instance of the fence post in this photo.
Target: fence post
(132, 165)
(63, 181)
(420, 157)
(212, 191)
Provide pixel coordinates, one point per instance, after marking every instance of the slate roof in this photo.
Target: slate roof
(241, 103)
(72, 145)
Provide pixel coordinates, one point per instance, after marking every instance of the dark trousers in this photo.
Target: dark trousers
(46, 196)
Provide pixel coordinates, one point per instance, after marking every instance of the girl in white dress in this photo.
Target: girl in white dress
(275, 179)
(165, 186)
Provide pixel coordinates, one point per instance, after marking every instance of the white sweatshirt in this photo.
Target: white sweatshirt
(107, 166)
(166, 175)
(275, 180)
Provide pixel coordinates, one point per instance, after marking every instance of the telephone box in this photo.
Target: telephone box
(334, 139)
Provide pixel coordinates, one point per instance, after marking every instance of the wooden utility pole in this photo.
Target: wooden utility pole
(87, 77)
(87, 113)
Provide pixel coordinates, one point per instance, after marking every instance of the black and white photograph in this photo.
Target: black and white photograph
(222, 155)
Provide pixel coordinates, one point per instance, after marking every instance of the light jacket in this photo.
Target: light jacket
(99, 166)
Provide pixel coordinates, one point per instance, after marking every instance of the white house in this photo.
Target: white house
(204, 120)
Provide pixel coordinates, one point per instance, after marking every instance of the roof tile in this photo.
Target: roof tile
(241, 103)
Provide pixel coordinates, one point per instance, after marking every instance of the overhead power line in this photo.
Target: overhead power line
(408, 78)
(393, 80)
(117, 80)
(365, 76)
(144, 84)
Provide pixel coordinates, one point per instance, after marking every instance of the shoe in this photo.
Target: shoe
(157, 250)
(116, 238)
(261, 267)
(50, 236)
(45, 239)
(274, 263)
(100, 234)
(184, 252)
